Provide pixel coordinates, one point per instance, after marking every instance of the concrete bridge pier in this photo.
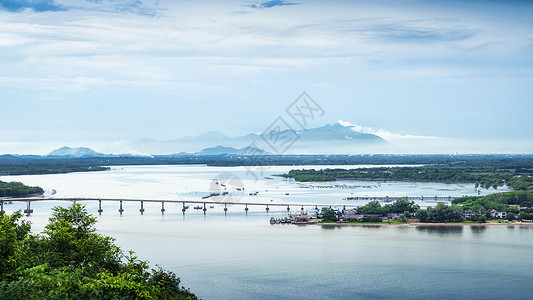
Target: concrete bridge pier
(204, 209)
(100, 210)
(142, 207)
(225, 209)
(183, 209)
(162, 207)
(267, 209)
(28, 209)
(302, 209)
(288, 209)
(120, 210)
(246, 208)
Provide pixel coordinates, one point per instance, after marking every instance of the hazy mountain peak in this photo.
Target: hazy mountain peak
(74, 152)
(212, 135)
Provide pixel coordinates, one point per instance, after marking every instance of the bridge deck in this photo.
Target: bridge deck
(346, 204)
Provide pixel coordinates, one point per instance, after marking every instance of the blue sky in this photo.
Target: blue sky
(432, 76)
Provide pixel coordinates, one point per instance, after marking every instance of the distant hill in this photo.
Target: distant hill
(327, 139)
(75, 152)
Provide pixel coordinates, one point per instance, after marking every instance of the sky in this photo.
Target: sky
(429, 76)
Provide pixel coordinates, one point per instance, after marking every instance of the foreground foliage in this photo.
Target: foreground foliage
(72, 261)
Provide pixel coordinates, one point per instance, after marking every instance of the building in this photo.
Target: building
(498, 214)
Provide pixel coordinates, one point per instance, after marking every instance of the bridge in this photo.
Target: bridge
(203, 204)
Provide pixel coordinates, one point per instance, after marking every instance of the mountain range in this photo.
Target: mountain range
(327, 139)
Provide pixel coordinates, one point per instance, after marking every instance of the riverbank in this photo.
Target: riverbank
(423, 224)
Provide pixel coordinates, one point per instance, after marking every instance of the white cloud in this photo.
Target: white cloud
(192, 51)
(387, 135)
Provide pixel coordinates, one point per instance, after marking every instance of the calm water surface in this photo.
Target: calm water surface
(242, 256)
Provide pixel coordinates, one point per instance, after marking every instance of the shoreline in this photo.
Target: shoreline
(421, 224)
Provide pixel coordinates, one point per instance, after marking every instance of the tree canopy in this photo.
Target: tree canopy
(71, 261)
(18, 189)
(401, 205)
(441, 213)
(487, 175)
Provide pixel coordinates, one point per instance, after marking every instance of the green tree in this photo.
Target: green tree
(477, 209)
(328, 215)
(372, 207)
(402, 205)
(14, 234)
(441, 213)
(72, 261)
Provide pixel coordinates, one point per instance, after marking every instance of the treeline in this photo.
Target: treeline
(483, 176)
(28, 164)
(18, 189)
(47, 166)
(480, 205)
(401, 205)
(71, 261)
(498, 200)
(441, 213)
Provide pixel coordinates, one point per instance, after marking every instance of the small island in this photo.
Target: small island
(518, 176)
(18, 189)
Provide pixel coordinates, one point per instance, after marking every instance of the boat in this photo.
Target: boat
(198, 207)
(211, 206)
(272, 220)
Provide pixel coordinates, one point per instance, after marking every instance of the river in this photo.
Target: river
(242, 256)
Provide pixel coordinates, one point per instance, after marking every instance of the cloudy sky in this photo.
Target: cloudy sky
(437, 76)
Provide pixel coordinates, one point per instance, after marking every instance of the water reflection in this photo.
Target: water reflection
(371, 226)
(444, 229)
(330, 227)
(477, 230)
